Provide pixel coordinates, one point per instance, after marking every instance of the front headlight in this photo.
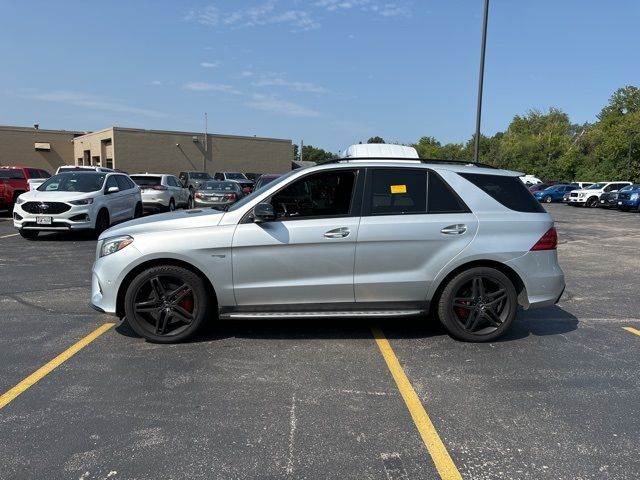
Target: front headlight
(114, 244)
(581, 195)
(86, 201)
(19, 200)
(635, 196)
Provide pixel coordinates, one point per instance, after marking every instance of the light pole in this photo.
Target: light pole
(631, 135)
(476, 148)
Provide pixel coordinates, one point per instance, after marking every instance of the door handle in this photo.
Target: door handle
(457, 229)
(338, 233)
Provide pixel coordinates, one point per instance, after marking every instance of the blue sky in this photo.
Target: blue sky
(333, 72)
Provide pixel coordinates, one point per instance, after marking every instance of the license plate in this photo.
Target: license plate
(214, 199)
(43, 220)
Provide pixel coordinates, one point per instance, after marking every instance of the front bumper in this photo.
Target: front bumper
(107, 275)
(577, 200)
(628, 204)
(78, 217)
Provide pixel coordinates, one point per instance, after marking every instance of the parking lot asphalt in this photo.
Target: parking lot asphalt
(557, 398)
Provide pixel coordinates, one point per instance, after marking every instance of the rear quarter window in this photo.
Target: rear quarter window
(509, 191)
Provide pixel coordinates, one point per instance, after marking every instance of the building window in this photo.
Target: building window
(109, 163)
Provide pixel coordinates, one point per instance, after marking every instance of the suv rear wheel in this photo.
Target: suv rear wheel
(478, 305)
(166, 304)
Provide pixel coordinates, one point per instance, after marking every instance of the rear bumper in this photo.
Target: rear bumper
(542, 277)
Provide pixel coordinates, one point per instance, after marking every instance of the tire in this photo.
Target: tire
(190, 203)
(137, 213)
(29, 234)
(547, 199)
(478, 312)
(102, 222)
(172, 205)
(166, 304)
(592, 202)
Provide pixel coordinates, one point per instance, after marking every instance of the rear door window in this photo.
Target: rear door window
(398, 191)
(508, 191)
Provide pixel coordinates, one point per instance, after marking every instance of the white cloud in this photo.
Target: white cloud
(210, 64)
(212, 87)
(246, 74)
(85, 100)
(262, 14)
(384, 9)
(277, 80)
(273, 104)
(156, 83)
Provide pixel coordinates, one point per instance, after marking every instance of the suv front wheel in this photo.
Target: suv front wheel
(478, 305)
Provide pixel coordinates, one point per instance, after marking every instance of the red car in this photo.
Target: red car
(13, 182)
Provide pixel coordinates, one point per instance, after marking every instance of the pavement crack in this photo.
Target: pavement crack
(30, 304)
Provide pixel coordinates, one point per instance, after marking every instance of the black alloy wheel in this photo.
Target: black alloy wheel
(592, 202)
(547, 199)
(478, 305)
(166, 304)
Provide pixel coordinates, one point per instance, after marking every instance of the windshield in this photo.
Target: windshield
(596, 186)
(236, 176)
(200, 175)
(253, 194)
(146, 180)
(11, 174)
(227, 186)
(630, 187)
(73, 182)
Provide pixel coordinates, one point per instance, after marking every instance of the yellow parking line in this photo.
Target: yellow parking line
(8, 396)
(7, 236)
(441, 458)
(635, 331)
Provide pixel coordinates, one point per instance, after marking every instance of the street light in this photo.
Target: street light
(631, 135)
(476, 149)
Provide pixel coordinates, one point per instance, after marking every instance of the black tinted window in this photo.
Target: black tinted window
(441, 199)
(123, 184)
(322, 194)
(398, 191)
(509, 191)
(12, 174)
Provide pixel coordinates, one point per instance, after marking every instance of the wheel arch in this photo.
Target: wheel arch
(126, 281)
(511, 274)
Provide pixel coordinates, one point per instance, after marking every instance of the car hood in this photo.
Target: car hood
(177, 220)
(38, 196)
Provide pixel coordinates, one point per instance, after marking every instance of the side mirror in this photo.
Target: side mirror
(264, 212)
(113, 190)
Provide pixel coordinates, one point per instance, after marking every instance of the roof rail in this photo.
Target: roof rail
(415, 160)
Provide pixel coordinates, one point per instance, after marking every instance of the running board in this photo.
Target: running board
(321, 314)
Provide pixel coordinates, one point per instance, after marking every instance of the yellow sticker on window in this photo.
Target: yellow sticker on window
(398, 189)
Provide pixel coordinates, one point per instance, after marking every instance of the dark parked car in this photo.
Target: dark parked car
(245, 183)
(266, 179)
(541, 186)
(610, 199)
(629, 198)
(554, 193)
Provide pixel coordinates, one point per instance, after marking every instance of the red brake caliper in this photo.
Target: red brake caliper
(187, 303)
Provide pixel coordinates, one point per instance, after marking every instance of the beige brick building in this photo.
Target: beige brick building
(31, 147)
(136, 151)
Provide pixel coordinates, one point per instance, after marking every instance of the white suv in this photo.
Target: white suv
(590, 196)
(77, 201)
(162, 192)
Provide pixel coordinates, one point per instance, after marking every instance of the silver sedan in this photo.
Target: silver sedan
(217, 194)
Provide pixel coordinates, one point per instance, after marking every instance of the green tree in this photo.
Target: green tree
(376, 140)
(317, 155)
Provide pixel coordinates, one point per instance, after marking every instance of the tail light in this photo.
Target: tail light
(199, 195)
(230, 196)
(159, 187)
(548, 241)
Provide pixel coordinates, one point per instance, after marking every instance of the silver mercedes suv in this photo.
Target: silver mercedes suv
(353, 238)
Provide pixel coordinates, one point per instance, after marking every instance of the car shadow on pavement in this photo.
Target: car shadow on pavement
(80, 236)
(550, 321)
